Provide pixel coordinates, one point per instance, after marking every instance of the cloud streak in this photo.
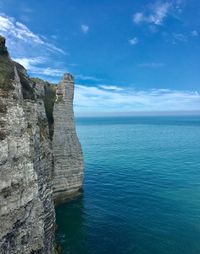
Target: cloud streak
(111, 88)
(14, 30)
(25, 46)
(85, 29)
(134, 41)
(156, 16)
(99, 99)
(34, 66)
(28, 63)
(86, 78)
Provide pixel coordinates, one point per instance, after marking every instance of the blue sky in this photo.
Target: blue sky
(125, 55)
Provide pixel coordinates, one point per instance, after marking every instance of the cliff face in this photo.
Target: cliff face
(27, 175)
(68, 159)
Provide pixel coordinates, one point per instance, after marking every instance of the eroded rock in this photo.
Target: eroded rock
(28, 180)
(67, 152)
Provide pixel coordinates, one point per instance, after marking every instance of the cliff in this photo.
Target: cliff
(68, 163)
(27, 173)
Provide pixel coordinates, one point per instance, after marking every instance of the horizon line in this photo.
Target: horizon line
(139, 113)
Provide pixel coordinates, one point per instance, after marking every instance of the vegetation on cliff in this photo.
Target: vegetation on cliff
(6, 68)
(7, 73)
(49, 100)
(27, 85)
(7, 77)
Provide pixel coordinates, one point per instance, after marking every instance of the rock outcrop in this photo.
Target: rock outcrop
(27, 174)
(68, 159)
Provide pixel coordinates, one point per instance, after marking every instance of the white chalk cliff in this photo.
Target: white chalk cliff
(34, 171)
(67, 152)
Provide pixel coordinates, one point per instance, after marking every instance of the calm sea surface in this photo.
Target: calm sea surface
(141, 189)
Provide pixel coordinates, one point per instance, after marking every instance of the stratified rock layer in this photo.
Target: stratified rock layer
(68, 159)
(31, 174)
(27, 218)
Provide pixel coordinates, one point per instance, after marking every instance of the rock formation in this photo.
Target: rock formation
(27, 176)
(68, 162)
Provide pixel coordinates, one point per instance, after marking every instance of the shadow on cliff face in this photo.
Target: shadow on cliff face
(49, 100)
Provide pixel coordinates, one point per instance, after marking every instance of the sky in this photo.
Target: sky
(126, 56)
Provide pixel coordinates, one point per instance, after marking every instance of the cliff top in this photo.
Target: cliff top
(7, 73)
(6, 67)
(3, 49)
(68, 77)
(7, 77)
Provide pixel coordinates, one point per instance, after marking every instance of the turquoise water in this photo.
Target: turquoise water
(141, 190)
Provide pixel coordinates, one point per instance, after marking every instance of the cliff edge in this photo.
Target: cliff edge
(28, 177)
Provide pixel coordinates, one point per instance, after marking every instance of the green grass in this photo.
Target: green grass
(7, 77)
(6, 73)
(27, 90)
(6, 68)
(3, 49)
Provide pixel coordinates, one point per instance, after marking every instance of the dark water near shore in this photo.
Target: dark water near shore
(141, 189)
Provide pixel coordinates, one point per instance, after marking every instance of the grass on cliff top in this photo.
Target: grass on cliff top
(27, 84)
(6, 73)
(7, 76)
(6, 67)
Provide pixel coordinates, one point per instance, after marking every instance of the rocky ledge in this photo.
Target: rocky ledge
(40, 156)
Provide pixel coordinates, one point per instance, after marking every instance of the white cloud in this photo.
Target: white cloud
(160, 13)
(16, 31)
(110, 87)
(83, 77)
(134, 41)
(85, 28)
(8, 26)
(47, 71)
(28, 63)
(33, 65)
(138, 17)
(96, 99)
(176, 38)
(156, 16)
(179, 37)
(24, 46)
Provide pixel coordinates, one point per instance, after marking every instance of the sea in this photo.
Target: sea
(141, 187)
